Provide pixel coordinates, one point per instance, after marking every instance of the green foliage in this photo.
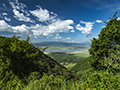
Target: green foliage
(108, 37)
(82, 67)
(112, 62)
(43, 49)
(101, 80)
(105, 79)
(21, 62)
(65, 58)
(105, 59)
(53, 83)
(24, 67)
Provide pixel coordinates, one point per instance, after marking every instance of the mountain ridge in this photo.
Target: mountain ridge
(57, 43)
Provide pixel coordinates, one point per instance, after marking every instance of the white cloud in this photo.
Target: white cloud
(61, 25)
(4, 14)
(118, 18)
(54, 25)
(58, 36)
(68, 38)
(20, 7)
(4, 26)
(16, 5)
(20, 16)
(58, 26)
(99, 21)
(43, 14)
(87, 29)
(4, 5)
(7, 19)
(72, 31)
(17, 29)
(21, 29)
(103, 26)
(38, 29)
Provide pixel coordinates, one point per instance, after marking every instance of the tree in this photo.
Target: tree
(108, 37)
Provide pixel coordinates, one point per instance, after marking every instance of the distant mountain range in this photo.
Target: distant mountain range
(65, 44)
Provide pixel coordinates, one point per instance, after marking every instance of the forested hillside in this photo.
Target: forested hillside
(104, 60)
(21, 63)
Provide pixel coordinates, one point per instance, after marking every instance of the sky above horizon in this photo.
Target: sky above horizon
(56, 20)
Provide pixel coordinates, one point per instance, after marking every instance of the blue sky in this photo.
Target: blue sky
(56, 20)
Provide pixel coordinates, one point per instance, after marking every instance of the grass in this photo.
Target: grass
(79, 47)
(69, 65)
(82, 54)
(69, 59)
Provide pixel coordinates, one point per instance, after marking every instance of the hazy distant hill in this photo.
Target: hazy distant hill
(64, 44)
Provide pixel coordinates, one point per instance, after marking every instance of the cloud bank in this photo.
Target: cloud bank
(53, 25)
(45, 23)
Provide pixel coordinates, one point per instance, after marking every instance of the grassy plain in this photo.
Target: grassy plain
(69, 59)
(80, 47)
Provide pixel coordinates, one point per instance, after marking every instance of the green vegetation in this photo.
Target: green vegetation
(68, 59)
(21, 63)
(25, 67)
(105, 59)
(82, 67)
(82, 54)
(108, 37)
(80, 47)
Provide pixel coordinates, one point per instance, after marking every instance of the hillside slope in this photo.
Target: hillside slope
(21, 62)
(82, 66)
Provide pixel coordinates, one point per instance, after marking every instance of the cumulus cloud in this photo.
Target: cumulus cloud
(58, 36)
(87, 29)
(20, 7)
(4, 26)
(72, 31)
(21, 29)
(43, 14)
(4, 14)
(118, 18)
(20, 16)
(99, 21)
(54, 25)
(7, 19)
(58, 26)
(16, 5)
(17, 29)
(39, 29)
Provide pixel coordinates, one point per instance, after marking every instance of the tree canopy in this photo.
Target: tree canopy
(108, 37)
(21, 62)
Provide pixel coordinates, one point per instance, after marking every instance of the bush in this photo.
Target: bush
(102, 80)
